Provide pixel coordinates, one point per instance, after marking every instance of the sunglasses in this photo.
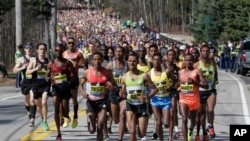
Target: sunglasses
(70, 42)
(58, 50)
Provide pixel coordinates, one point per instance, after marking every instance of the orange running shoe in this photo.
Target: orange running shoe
(211, 132)
(59, 137)
(197, 138)
(205, 137)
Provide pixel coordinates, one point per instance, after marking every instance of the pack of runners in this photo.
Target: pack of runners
(129, 75)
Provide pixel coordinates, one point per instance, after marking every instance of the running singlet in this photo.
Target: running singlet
(119, 72)
(60, 74)
(188, 92)
(96, 85)
(144, 68)
(72, 58)
(40, 74)
(161, 82)
(134, 89)
(209, 74)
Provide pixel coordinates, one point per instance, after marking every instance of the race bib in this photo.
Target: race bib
(208, 76)
(134, 94)
(187, 88)
(96, 88)
(161, 89)
(41, 74)
(59, 78)
(118, 81)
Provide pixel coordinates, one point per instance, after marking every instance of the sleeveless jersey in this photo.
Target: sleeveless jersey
(72, 58)
(161, 82)
(134, 89)
(188, 92)
(59, 74)
(145, 68)
(209, 74)
(96, 85)
(40, 74)
(119, 72)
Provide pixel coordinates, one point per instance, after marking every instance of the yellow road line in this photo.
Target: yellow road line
(39, 134)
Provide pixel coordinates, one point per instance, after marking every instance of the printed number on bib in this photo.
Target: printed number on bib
(187, 88)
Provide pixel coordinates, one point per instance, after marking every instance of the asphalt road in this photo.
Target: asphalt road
(233, 104)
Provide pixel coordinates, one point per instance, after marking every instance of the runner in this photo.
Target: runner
(77, 60)
(161, 102)
(21, 66)
(134, 85)
(172, 68)
(207, 96)
(118, 67)
(59, 71)
(143, 65)
(98, 80)
(40, 87)
(190, 79)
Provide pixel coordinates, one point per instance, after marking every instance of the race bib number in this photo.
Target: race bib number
(97, 88)
(118, 81)
(187, 88)
(161, 89)
(59, 78)
(208, 76)
(41, 74)
(134, 94)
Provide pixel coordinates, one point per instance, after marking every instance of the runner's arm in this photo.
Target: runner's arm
(150, 83)
(19, 66)
(81, 84)
(202, 81)
(48, 72)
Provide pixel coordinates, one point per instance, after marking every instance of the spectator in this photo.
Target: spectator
(18, 54)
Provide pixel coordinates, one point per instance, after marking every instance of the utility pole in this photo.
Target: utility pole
(19, 22)
(53, 25)
(207, 20)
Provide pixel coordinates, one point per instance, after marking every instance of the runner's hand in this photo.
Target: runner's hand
(38, 66)
(143, 99)
(109, 86)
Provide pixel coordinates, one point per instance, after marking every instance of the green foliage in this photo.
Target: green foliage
(229, 19)
(236, 19)
(213, 10)
(6, 5)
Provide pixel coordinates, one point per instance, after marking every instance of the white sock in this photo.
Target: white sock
(176, 129)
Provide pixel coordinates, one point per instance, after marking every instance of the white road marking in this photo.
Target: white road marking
(10, 97)
(243, 99)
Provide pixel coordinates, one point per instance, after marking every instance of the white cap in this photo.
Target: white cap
(182, 47)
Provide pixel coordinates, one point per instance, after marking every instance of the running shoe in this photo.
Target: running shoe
(176, 135)
(45, 126)
(208, 127)
(143, 139)
(32, 122)
(154, 136)
(169, 140)
(59, 137)
(42, 123)
(211, 132)
(109, 131)
(190, 135)
(106, 137)
(74, 123)
(205, 137)
(66, 122)
(197, 138)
